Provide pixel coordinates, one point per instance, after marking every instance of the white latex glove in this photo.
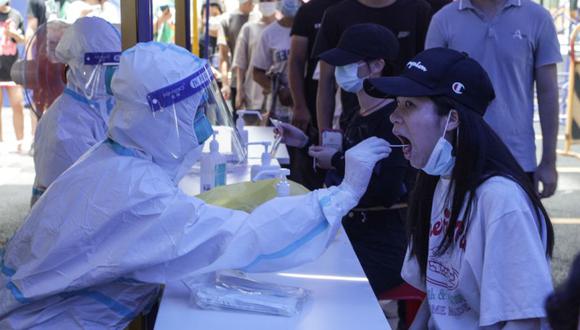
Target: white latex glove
(322, 155)
(359, 163)
(291, 135)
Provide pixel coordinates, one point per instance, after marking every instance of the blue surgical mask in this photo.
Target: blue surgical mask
(202, 127)
(441, 161)
(109, 71)
(347, 77)
(290, 7)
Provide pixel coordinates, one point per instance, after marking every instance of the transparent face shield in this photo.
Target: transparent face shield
(39, 72)
(98, 69)
(194, 108)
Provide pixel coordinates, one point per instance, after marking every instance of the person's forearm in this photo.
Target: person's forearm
(19, 38)
(325, 97)
(31, 28)
(548, 108)
(224, 63)
(296, 64)
(296, 81)
(156, 25)
(241, 74)
(262, 79)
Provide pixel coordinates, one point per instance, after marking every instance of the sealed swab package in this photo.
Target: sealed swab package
(234, 291)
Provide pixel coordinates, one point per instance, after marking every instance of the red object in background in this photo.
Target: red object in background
(49, 82)
(411, 297)
(43, 77)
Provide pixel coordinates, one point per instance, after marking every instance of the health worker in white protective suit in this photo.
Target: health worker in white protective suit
(113, 227)
(78, 118)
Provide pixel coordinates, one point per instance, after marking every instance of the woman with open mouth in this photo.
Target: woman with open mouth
(479, 238)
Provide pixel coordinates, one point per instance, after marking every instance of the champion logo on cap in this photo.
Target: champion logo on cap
(458, 88)
(417, 65)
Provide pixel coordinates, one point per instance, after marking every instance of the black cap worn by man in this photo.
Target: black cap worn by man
(363, 42)
(439, 72)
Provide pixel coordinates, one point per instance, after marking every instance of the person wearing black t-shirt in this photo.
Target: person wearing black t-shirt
(376, 226)
(301, 66)
(407, 19)
(36, 14)
(303, 87)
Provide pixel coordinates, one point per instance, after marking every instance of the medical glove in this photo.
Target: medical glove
(322, 155)
(291, 135)
(359, 163)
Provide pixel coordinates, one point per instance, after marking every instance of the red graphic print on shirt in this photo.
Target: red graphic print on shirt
(7, 45)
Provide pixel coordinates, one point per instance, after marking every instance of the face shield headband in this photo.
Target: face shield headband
(170, 95)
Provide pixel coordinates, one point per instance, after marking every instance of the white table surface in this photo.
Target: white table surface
(341, 299)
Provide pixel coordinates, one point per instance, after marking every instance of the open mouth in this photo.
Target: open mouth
(408, 146)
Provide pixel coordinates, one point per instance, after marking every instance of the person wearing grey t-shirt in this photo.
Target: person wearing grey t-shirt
(516, 42)
(230, 27)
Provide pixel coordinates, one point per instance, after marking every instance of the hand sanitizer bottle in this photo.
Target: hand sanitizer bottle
(213, 167)
(283, 187)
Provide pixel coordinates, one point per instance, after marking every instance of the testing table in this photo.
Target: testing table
(341, 297)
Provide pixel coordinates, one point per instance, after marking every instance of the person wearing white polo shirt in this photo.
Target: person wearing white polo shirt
(516, 42)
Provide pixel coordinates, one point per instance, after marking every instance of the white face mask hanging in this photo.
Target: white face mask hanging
(441, 161)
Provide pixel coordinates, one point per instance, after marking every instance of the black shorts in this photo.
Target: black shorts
(379, 241)
(6, 63)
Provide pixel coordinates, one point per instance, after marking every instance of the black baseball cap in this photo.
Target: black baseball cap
(439, 72)
(362, 42)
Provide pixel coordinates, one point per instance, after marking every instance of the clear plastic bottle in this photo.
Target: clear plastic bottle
(213, 167)
(283, 187)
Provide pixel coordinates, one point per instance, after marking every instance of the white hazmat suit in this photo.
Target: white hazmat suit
(96, 247)
(77, 119)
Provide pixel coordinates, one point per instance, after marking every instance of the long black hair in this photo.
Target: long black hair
(480, 154)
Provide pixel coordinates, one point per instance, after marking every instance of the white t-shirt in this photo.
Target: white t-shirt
(245, 45)
(272, 55)
(108, 11)
(497, 271)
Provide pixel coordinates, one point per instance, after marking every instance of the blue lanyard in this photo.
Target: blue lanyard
(119, 149)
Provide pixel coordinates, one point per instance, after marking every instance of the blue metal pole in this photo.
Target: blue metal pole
(144, 20)
(188, 25)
